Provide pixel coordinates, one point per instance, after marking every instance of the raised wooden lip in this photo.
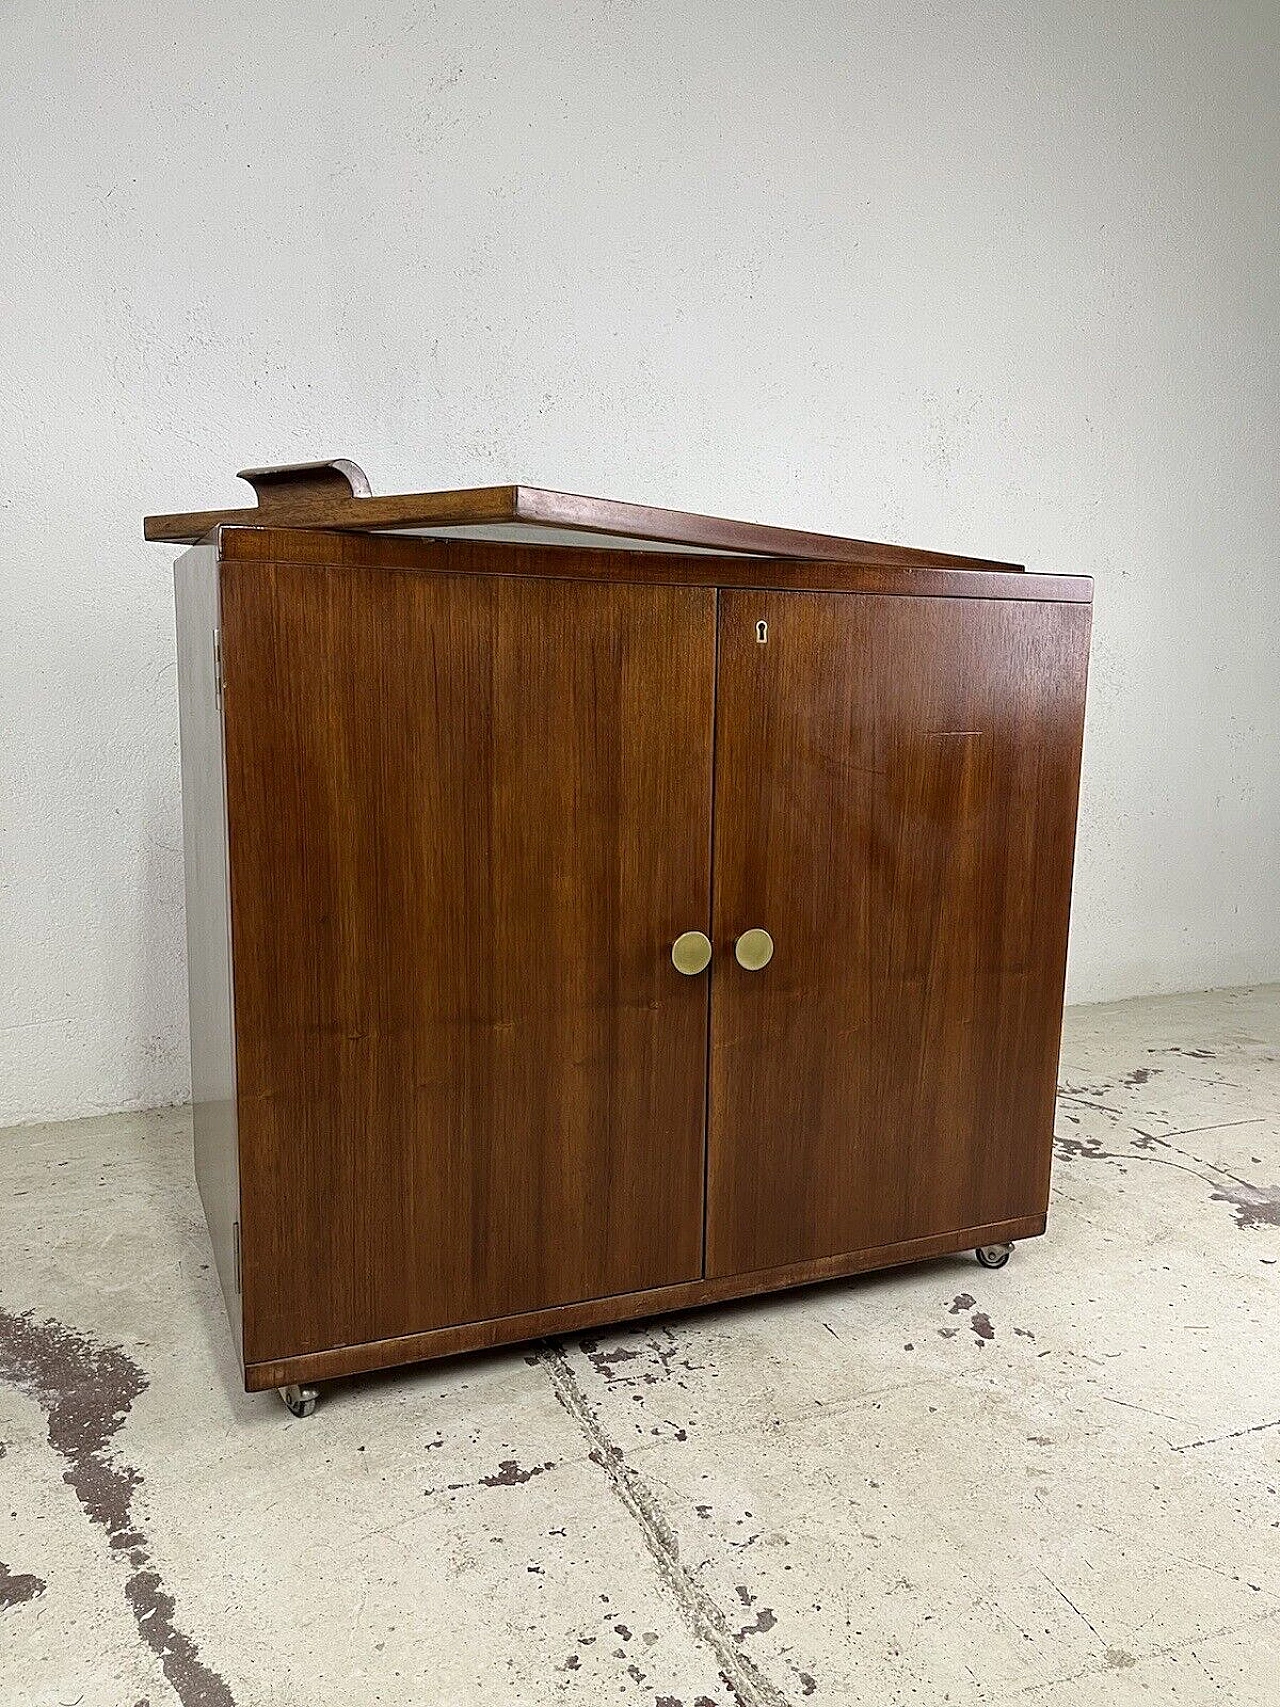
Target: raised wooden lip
(310, 496)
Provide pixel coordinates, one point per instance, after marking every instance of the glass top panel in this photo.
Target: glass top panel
(529, 533)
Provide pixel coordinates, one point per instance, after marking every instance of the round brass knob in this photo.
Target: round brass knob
(753, 950)
(691, 953)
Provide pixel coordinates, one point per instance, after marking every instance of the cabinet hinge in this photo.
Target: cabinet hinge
(217, 665)
(235, 1234)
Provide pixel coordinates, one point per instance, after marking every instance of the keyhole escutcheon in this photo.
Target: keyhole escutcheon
(762, 631)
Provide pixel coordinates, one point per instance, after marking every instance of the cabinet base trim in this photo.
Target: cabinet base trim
(623, 1306)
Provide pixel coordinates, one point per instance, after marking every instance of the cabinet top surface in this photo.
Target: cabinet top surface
(337, 495)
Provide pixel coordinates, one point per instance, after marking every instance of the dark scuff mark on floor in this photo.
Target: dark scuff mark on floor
(766, 1618)
(603, 1361)
(979, 1321)
(1255, 1205)
(1138, 1076)
(17, 1587)
(86, 1391)
(153, 1608)
(703, 1615)
(509, 1474)
(656, 1347)
(1090, 1100)
(1068, 1149)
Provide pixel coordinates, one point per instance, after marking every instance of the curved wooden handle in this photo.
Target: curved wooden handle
(293, 480)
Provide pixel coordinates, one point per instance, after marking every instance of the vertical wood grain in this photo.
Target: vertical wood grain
(469, 816)
(896, 786)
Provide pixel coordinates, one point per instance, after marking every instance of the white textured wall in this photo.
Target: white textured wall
(996, 278)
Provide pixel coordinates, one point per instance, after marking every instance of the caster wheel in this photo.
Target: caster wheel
(300, 1401)
(993, 1256)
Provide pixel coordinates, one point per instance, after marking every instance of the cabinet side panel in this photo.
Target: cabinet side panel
(204, 841)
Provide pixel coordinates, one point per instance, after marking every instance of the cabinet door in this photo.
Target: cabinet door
(895, 804)
(468, 816)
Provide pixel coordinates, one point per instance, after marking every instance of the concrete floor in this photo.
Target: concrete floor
(1054, 1484)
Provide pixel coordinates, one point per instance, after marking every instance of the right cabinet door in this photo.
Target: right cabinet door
(895, 800)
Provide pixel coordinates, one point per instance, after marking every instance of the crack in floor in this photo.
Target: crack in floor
(1236, 1434)
(1163, 1652)
(1254, 1205)
(1071, 1603)
(699, 1609)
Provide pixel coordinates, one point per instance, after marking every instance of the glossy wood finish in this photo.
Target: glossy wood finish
(204, 841)
(307, 480)
(895, 803)
(469, 807)
(477, 557)
(327, 495)
(597, 1312)
(469, 815)
(333, 510)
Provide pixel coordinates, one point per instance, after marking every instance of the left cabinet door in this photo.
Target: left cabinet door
(469, 815)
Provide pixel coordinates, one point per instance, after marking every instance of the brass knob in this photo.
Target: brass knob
(753, 950)
(691, 953)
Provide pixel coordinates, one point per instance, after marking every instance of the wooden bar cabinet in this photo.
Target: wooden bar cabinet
(595, 911)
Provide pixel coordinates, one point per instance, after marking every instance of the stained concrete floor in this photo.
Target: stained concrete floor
(1054, 1484)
